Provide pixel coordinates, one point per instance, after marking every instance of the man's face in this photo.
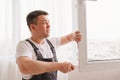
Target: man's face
(42, 28)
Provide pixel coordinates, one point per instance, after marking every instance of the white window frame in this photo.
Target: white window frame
(84, 65)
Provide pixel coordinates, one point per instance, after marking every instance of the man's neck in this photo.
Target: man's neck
(38, 40)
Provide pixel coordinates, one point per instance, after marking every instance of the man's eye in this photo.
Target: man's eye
(44, 23)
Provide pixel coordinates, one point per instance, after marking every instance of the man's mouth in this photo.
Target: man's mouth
(48, 31)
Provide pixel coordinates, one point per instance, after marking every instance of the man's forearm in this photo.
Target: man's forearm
(76, 36)
(66, 39)
(37, 67)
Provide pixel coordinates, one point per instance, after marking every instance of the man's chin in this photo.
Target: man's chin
(47, 36)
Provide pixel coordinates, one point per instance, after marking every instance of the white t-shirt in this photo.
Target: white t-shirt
(24, 48)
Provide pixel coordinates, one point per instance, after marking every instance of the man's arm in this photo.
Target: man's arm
(33, 67)
(76, 36)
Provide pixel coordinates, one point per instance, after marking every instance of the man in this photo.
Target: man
(36, 57)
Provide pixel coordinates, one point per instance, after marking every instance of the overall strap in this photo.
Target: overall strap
(36, 50)
(47, 75)
(52, 49)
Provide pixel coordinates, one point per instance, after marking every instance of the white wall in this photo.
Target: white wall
(95, 75)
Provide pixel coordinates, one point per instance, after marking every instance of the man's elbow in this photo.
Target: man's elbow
(23, 66)
(23, 69)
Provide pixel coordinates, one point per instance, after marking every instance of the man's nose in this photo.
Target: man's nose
(48, 25)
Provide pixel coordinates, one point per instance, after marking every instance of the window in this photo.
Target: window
(99, 23)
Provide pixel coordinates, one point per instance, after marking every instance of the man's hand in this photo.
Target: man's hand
(66, 67)
(76, 36)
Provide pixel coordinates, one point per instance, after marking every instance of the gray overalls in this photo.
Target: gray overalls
(47, 75)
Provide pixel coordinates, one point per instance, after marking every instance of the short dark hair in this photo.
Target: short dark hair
(32, 16)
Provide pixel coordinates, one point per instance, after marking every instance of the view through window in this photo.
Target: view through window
(103, 30)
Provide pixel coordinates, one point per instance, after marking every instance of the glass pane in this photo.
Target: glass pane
(103, 29)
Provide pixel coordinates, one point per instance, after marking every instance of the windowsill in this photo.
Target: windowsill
(99, 66)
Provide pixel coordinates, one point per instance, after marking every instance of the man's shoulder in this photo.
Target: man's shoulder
(23, 43)
(56, 41)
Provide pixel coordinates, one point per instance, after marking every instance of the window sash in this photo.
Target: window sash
(84, 65)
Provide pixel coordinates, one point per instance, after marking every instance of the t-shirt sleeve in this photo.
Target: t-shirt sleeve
(56, 41)
(23, 49)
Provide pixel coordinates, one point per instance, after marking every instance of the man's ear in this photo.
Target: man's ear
(32, 27)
